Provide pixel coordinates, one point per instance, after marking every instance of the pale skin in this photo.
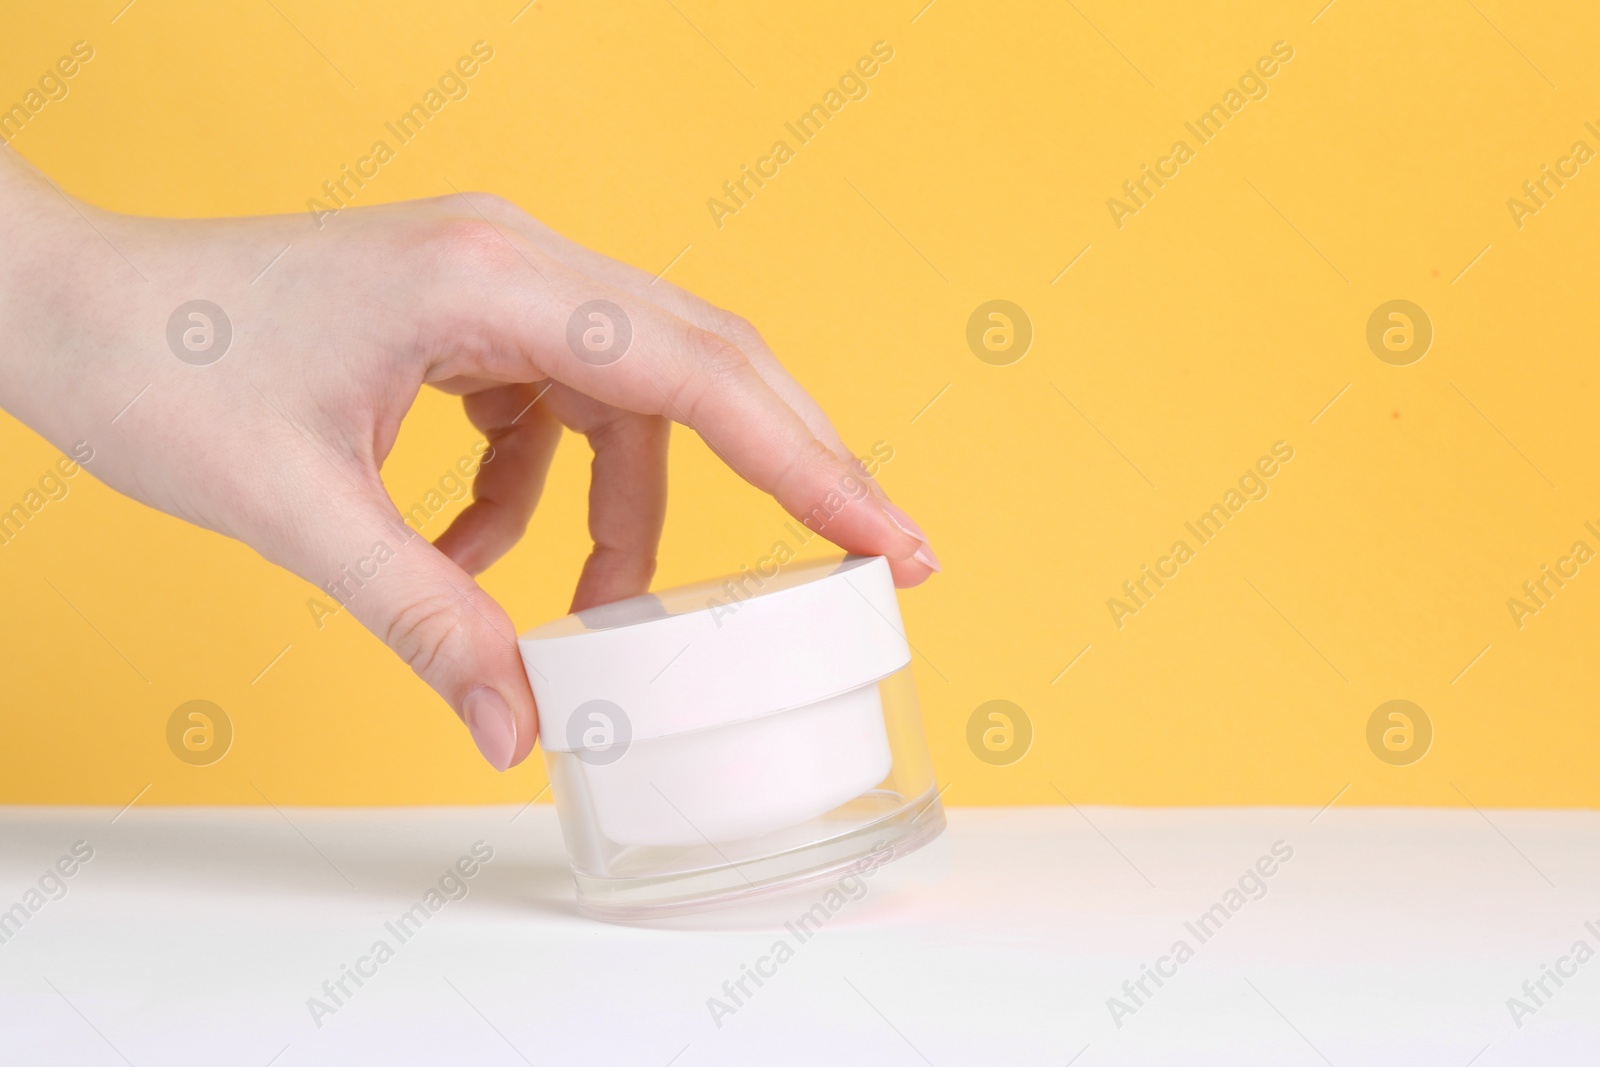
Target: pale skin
(280, 442)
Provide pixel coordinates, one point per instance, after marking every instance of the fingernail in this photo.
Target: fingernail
(925, 556)
(902, 520)
(493, 729)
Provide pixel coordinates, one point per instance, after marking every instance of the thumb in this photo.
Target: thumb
(436, 618)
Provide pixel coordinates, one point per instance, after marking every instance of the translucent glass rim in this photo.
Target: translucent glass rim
(914, 826)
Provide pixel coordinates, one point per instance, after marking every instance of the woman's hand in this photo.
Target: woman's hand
(275, 435)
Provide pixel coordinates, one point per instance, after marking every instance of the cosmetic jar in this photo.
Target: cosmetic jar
(734, 738)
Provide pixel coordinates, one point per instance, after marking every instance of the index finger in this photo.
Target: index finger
(507, 320)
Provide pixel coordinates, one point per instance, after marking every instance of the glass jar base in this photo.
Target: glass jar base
(827, 856)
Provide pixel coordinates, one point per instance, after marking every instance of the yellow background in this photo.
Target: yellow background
(1220, 319)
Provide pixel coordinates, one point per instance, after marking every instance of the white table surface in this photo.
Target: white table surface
(196, 936)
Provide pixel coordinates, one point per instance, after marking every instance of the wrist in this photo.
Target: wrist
(31, 211)
(47, 277)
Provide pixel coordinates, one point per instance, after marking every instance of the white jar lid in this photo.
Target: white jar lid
(716, 652)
